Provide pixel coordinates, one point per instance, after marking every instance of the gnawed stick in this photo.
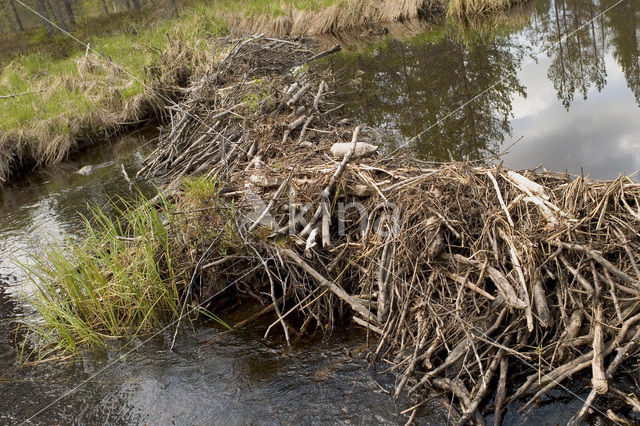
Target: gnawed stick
(303, 132)
(456, 353)
(418, 347)
(500, 199)
(316, 101)
(502, 283)
(465, 282)
(326, 222)
(460, 391)
(126, 176)
(328, 190)
(634, 403)
(327, 52)
(343, 295)
(598, 258)
(271, 202)
(598, 379)
(296, 97)
(501, 393)
(292, 309)
(620, 356)
(482, 389)
(541, 305)
(520, 274)
(367, 325)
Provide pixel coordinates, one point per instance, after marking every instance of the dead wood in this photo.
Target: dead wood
(461, 271)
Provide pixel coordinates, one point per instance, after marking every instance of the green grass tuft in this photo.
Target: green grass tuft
(118, 282)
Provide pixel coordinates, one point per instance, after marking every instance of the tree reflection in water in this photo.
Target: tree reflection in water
(459, 86)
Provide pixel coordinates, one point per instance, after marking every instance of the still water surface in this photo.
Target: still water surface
(562, 78)
(571, 93)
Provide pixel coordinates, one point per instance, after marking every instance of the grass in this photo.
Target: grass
(118, 282)
(66, 98)
(129, 275)
(469, 9)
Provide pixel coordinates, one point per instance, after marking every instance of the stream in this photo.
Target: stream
(561, 79)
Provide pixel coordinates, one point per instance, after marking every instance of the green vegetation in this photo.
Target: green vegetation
(118, 282)
(52, 100)
(131, 273)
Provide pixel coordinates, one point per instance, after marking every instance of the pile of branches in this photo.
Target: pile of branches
(466, 273)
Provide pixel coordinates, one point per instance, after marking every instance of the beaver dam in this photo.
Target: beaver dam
(463, 274)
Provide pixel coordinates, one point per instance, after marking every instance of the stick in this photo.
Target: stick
(303, 132)
(295, 98)
(482, 390)
(126, 176)
(367, 325)
(316, 100)
(598, 379)
(504, 207)
(598, 258)
(271, 202)
(501, 282)
(332, 183)
(343, 295)
(501, 393)
(328, 52)
(462, 281)
(326, 232)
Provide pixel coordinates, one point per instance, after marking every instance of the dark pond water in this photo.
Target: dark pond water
(562, 75)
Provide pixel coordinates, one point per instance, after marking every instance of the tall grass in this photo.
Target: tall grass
(117, 282)
(464, 10)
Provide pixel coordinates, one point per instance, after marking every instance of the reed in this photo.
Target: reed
(116, 283)
(466, 10)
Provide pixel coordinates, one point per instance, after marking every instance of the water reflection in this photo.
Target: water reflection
(568, 82)
(403, 87)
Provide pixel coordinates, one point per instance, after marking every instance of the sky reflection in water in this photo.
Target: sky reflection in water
(570, 90)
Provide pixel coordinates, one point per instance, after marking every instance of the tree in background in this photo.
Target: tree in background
(67, 13)
(16, 16)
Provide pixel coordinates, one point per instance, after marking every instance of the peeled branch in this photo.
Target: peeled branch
(362, 150)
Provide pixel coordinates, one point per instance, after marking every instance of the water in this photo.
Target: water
(469, 94)
(561, 78)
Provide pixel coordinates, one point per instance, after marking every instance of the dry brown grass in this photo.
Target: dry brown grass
(51, 140)
(465, 10)
(346, 15)
(355, 14)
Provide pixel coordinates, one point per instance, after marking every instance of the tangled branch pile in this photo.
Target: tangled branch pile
(468, 274)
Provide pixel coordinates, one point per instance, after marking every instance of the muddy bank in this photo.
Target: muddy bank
(462, 273)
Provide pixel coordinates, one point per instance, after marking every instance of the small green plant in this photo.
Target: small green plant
(201, 188)
(118, 282)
